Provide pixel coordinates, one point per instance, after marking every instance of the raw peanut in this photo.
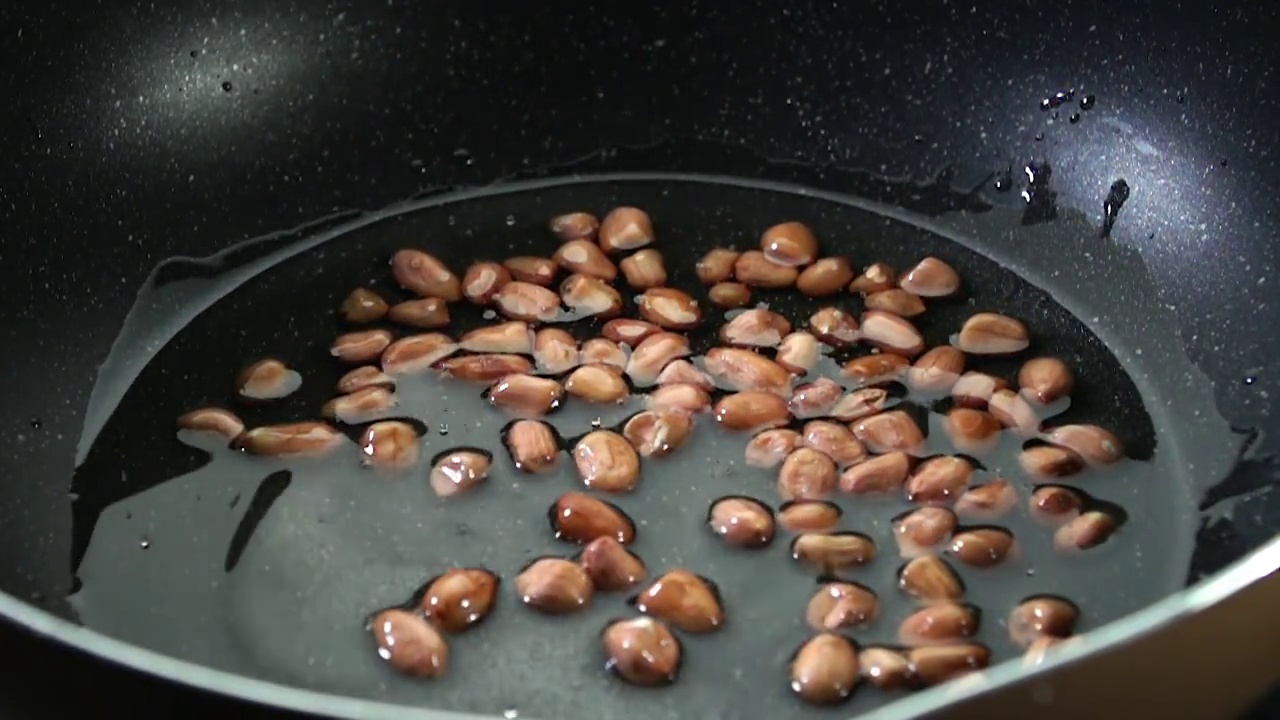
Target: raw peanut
(628, 331)
(607, 462)
(485, 368)
(896, 301)
(1049, 461)
(425, 275)
(891, 333)
(835, 441)
(456, 471)
(939, 480)
(644, 269)
(889, 431)
(798, 352)
(554, 586)
(425, 313)
(1014, 412)
(655, 433)
(588, 296)
(739, 369)
(815, 399)
(755, 270)
(408, 643)
(806, 474)
(363, 306)
(885, 668)
(579, 518)
(512, 337)
(729, 295)
(1045, 380)
(825, 670)
(989, 501)
(525, 301)
(483, 280)
(975, 389)
(213, 421)
(931, 579)
(789, 243)
(921, 531)
(1039, 616)
(834, 327)
(532, 445)
(874, 278)
(689, 602)
(601, 351)
(554, 351)
(669, 308)
(982, 546)
(832, 552)
(681, 396)
(597, 384)
(268, 379)
(757, 327)
(860, 404)
(936, 371)
(741, 521)
(304, 439)
(809, 516)
(652, 354)
(716, 266)
(1090, 529)
(1055, 504)
(840, 605)
(936, 664)
(992, 334)
(880, 474)
(611, 566)
(363, 377)
(1096, 445)
(574, 226)
(360, 347)
(625, 228)
(930, 277)
(642, 651)
(875, 369)
(769, 448)
(683, 372)
(363, 405)
(532, 270)
(583, 257)
(938, 624)
(751, 410)
(827, 276)
(417, 353)
(972, 432)
(459, 599)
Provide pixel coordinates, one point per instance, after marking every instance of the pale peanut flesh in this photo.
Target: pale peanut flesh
(692, 463)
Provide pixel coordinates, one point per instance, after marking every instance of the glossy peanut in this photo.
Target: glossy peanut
(642, 651)
(408, 643)
(740, 369)
(554, 586)
(524, 394)
(389, 445)
(1040, 616)
(607, 462)
(875, 278)
(457, 471)
(659, 432)
(835, 440)
(459, 599)
(982, 546)
(687, 601)
(625, 228)
(973, 432)
(532, 446)
(361, 347)
(798, 352)
(574, 226)
(755, 270)
(890, 431)
(931, 579)
(425, 275)
(936, 664)
(840, 605)
(789, 243)
(937, 624)
(875, 369)
(532, 270)
(1042, 647)
(834, 327)
(988, 501)
(992, 334)
(815, 399)
(555, 351)
(877, 475)
(304, 439)
(1088, 530)
(756, 327)
(975, 389)
(826, 276)
(652, 354)
(483, 280)
(679, 396)
(520, 300)
(584, 257)
(424, 313)
(580, 518)
(883, 667)
(669, 308)
(268, 379)
(936, 371)
(683, 372)
(588, 296)
(807, 474)
(363, 306)
(833, 552)
(896, 301)
(751, 411)
(716, 266)
(597, 384)
(213, 421)
(417, 353)
(1013, 411)
(769, 448)
(490, 368)
(930, 277)
(601, 351)
(891, 333)
(825, 670)
(860, 404)
(801, 516)
(729, 295)
(1045, 380)
(1043, 462)
(923, 530)
(513, 337)
(1096, 445)
(741, 521)
(644, 269)
(610, 565)
(365, 376)
(1055, 504)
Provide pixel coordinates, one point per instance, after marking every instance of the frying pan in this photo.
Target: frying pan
(128, 149)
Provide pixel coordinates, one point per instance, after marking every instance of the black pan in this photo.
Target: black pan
(183, 154)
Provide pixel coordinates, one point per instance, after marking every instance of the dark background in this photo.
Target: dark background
(137, 131)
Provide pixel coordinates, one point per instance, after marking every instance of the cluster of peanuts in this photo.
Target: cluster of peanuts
(822, 436)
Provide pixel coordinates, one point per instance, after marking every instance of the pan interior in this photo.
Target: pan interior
(269, 568)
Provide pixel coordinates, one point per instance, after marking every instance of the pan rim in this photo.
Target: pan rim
(1246, 571)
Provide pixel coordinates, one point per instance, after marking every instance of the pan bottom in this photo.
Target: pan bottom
(210, 555)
